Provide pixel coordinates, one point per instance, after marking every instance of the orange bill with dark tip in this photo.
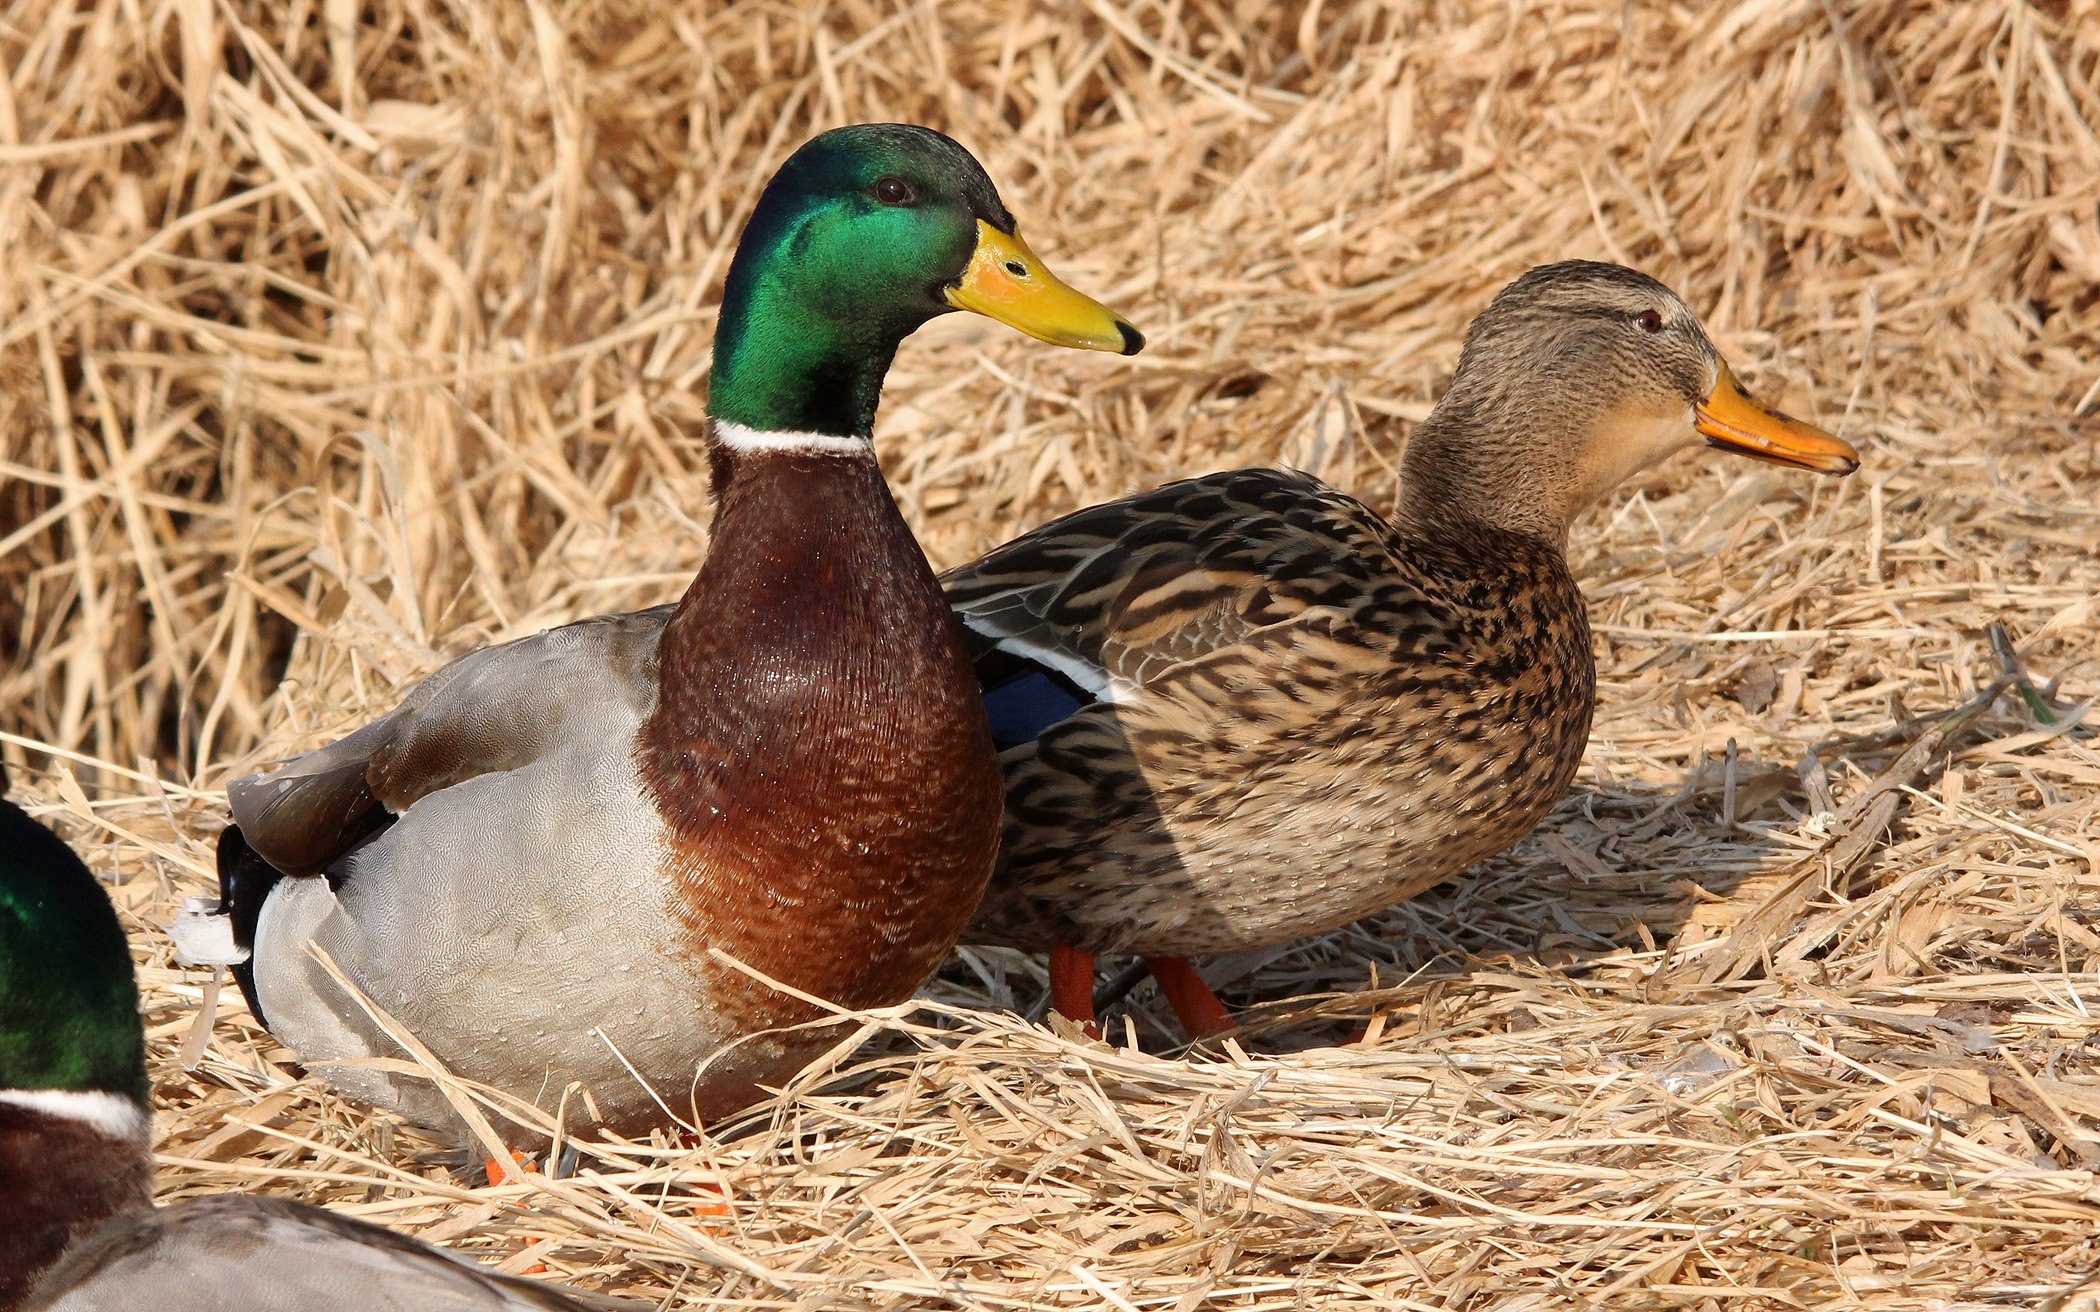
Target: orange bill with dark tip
(1731, 420)
(1005, 281)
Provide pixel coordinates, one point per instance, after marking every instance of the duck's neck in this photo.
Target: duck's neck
(1464, 475)
(69, 1160)
(784, 366)
(811, 577)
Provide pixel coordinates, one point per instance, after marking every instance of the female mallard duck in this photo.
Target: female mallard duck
(1244, 708)
(78, 1229)
(539, 859)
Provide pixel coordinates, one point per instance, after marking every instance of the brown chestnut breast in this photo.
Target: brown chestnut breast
(818, 749)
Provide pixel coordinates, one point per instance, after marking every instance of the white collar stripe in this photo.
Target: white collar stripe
(112, 1113)
(739, 438)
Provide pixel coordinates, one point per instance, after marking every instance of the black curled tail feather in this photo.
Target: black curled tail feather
(245, 881)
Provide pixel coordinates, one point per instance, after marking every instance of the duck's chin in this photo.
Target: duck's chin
(1629, 440)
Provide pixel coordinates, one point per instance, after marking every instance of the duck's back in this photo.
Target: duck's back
(1243, 708)
(238, 1254)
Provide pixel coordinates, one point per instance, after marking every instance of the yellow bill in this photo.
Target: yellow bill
(1005, 281)
(1730, 420)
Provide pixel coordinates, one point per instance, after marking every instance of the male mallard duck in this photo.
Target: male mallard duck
(538, 859)
(1244, 708)
(78, 1228)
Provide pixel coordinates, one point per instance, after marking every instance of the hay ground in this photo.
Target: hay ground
(338, 339)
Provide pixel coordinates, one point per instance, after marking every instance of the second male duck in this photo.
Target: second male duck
(534, 862)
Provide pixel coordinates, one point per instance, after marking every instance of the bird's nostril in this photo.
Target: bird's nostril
(1017, 269)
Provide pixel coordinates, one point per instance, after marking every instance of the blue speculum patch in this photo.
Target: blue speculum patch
(1021, 709)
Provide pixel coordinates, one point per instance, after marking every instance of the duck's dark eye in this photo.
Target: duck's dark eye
(894, 191)
(1649, 321)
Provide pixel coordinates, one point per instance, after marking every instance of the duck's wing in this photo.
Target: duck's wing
(235, 1252)
(490, 710)
(1096, 605)
(496, 709)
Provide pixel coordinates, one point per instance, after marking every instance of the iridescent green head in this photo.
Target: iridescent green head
(863, 235)
(69, 1011)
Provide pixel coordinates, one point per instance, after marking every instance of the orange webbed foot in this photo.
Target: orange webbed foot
(693, 1139)
(501, 1171)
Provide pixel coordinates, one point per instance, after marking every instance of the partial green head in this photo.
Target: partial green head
(863, 235)
(69, 1010)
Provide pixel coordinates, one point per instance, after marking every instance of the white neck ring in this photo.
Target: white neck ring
(751, 441)
(113, 1114)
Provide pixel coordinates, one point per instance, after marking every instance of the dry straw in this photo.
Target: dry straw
(336, 339)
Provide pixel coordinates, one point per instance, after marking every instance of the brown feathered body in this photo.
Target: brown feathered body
(1245, 708)
(1308, 713)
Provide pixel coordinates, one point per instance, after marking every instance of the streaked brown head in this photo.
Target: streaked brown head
(1578, 375)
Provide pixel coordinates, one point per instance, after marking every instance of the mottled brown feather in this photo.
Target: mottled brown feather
(1308, 713)
(1325, 728)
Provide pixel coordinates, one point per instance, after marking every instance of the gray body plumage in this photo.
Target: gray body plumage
(522, 847)
(239, 1254)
